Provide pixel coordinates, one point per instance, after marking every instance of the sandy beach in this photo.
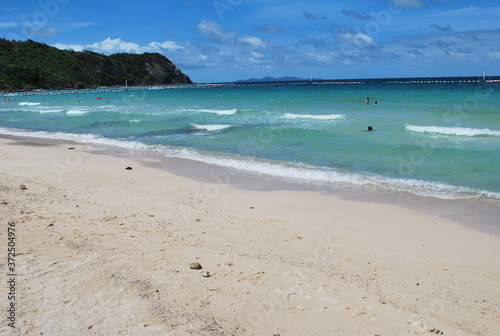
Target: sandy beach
(102, 250)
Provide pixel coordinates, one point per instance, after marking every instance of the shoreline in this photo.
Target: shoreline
(105, 250)
(477, 213)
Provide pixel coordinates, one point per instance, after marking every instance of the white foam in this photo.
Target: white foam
(313, 116)
(459, 131)
(81, 138)
(222, 112)
(75, 112)
(302, 172)
(28, 104)
(50, 111)
(211, 128)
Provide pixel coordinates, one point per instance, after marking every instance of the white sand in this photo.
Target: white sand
(106, 251)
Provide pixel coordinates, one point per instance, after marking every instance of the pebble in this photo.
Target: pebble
(195, 265)
(205, 274)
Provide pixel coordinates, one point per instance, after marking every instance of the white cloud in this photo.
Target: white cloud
(256, 54)
(5, 25)
(495, 54)
(113, 46)
(253, 41)
(407, 3)
(256, 57)
(321, 58)
(169, 45)
(81, 24)
(270, 29)
(40, 31)
(459, 11)
(358, 39)
(346, 48)
(212, 29)
(110, 46)
(74, 47)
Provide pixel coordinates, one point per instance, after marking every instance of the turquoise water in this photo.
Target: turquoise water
(439, 140)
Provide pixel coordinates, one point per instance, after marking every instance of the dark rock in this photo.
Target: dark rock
(195, 265)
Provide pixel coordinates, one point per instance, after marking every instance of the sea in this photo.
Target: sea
(433, 142)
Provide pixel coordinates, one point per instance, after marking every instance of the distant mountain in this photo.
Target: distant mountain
(31, 65)
(274, 79)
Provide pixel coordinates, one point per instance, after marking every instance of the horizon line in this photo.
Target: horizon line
(300, 80)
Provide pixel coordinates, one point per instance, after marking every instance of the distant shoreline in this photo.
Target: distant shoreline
(398, 80)
(97, 89)
(409, 80)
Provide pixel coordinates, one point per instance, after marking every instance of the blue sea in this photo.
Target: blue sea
(437, 140)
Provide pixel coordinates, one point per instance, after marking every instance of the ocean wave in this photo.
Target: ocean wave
(458, 131)
(211, 128)
(313, 116)
(294, 171)
(314, 174)
(49, 111)
(28, 104)
(76, 112)
(222, 112)
(81, 138)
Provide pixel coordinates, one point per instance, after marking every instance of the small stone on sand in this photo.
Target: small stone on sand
(195, 265)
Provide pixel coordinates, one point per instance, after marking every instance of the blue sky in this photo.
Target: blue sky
(227, 40)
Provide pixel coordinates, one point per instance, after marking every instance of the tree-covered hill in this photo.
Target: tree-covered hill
(26, 65)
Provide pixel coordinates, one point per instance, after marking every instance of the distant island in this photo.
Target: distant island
(29, 65)
(274, 79)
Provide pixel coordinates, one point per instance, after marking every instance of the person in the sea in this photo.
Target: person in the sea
(370, 128)
(367, 100)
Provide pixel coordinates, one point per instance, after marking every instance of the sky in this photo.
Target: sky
(227, 40)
